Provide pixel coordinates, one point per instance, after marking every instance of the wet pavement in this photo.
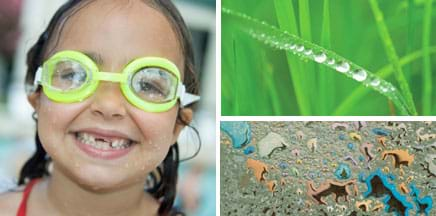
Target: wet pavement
(328, 168)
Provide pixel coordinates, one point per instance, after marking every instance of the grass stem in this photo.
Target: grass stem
(426, 78)
(392, 55)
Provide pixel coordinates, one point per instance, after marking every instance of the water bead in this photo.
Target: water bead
(300, 48)
(331, 62)
(359, 75)
(342, 67)
(320, 58)
(375, 82)
(308, 52)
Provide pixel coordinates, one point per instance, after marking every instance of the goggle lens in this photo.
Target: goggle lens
(155, 85)
(67, 75)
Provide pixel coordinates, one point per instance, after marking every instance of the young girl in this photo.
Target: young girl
(110, 82)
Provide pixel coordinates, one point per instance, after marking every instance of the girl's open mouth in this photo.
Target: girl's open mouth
(101, 146)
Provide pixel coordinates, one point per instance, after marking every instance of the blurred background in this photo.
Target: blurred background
(21, 23)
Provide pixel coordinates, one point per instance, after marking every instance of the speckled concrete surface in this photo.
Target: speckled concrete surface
(329, 168)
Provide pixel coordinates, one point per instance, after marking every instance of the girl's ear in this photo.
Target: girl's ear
(34, 99)
(186, 115)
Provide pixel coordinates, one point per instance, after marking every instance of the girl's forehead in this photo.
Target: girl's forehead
(119, 31)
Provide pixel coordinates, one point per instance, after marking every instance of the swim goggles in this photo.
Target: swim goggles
(149, 83)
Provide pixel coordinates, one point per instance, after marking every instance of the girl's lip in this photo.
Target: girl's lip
(109, 154)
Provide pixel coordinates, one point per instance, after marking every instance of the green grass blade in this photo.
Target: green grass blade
(411, 28)
(357, 95)
(309, 78)
(286, 18)
(426, 78)
(392, 55)
(325, 78)
(308, 51)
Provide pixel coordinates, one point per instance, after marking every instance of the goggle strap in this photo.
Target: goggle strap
(189, 99)
(185, 97)
(38, 77)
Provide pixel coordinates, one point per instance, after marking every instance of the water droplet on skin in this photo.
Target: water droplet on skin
(300, 48)
(375, 82)
(342, 67)
(308, 52)
(359, 75)
(320, 58)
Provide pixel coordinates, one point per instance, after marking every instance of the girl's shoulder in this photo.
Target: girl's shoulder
(10, 201)
(10, 196)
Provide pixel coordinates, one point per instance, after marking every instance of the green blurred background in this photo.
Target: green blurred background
(259, 80)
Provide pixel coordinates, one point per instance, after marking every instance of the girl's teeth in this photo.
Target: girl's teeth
(90, 140)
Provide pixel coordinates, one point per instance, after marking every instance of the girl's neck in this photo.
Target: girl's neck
(62, 196)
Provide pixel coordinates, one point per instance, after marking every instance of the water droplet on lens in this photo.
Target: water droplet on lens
(342, 67)
(359, 75)
(375, 82)
(320, 58)
(308, 52)
(300, 48)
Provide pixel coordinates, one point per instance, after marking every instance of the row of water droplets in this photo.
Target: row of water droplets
(322, 57)
(282, 40)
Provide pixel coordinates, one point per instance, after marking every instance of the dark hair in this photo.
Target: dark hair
(163, 181)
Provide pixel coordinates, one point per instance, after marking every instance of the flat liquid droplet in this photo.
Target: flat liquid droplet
(359, 75)
(308, 52)
(375, 82)
(342, 67)
(320, 58)
(300, 48)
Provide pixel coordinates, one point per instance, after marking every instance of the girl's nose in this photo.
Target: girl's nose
(108, 101)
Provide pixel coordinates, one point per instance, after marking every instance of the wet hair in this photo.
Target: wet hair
(162, 182)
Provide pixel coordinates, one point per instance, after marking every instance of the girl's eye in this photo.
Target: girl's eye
(153, 84)
(73, 76)
(147, 86)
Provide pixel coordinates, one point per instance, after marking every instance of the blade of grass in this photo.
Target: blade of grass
(357, 95)
(392, 55)
(426, 78)
(286, 18)
(268, 76)
(236, 109)
(283, 40)
(309, 69)
(411, 28)
(325, 78)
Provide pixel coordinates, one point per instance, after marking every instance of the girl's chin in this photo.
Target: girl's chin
(98, 179)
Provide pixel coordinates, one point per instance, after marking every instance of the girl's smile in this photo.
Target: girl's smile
(104, 144)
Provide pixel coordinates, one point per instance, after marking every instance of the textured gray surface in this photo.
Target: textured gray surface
(293, 167)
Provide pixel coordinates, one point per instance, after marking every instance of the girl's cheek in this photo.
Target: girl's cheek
(53, 122)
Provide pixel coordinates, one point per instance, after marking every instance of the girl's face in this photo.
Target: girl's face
(114, 33)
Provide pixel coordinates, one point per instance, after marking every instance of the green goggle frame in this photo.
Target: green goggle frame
(45, 74)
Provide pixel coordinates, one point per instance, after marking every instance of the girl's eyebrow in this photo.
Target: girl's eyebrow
(95, 57)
